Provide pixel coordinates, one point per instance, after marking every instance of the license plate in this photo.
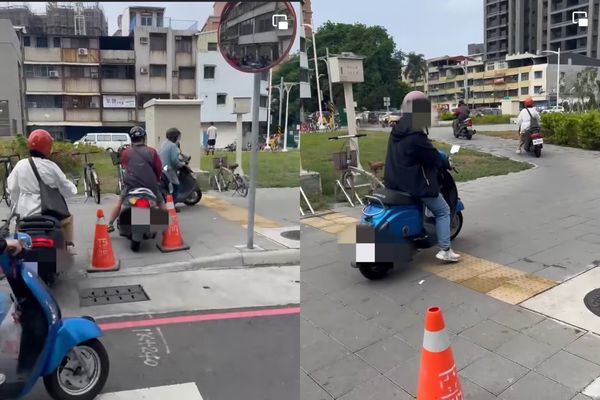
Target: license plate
(537, 141)
(365, 252)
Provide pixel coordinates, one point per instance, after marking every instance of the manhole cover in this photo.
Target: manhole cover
(592, 301)
(291, 235)
(112, 295)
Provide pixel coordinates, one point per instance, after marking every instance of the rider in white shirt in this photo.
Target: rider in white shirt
(524, 121)
(24, 188)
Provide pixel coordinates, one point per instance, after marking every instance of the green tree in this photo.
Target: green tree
(382, 64)
(416, 68)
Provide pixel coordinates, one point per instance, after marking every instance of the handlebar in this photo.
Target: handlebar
(347, 136)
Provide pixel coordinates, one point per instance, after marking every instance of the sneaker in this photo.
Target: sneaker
(447, 255)
(519, 151)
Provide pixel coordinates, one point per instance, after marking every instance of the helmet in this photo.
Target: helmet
(173, 134)
(414, 97)
(528, 102)
(137, 132)
(40, 141)
(461, 102)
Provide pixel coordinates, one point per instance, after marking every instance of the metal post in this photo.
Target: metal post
(269, 109)
(240, 138)
(280, 100)
(253, 160)
(317, 76)
(288, 89)
(329, 76)
(349, 98)
(557, 77)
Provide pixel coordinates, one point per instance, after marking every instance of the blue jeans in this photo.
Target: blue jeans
(441, 210)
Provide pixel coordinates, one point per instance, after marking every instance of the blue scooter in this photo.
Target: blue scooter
(66, 353)
(395, 226)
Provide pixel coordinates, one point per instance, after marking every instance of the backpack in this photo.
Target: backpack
(534, 125)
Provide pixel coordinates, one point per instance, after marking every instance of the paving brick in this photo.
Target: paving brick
(473, 391)
(553, 333)
(321, 353)
(494, 373)
(387, 353)
(517, 318)
(587, 347)
(328, 278)
(310, 390)
(580, 396)
(532, 385)
(465, 352)
(344, 375)
(413, 335)
(569, 370)
(354, 332)
(406, 375)
(489, 334)
(459, 318)
(379, 388)
(397, 318)
(310, 334)
(526, 351)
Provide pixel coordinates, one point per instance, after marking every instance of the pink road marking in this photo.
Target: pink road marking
(186, 319)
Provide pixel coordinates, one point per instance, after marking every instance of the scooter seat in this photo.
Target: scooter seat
(36, 222)
(233, 167)
(391, 197)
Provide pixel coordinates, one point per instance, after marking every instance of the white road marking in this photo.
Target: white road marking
(185, 391)
(167, 349)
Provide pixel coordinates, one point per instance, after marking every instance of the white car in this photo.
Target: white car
(107, 141)
(554, 109)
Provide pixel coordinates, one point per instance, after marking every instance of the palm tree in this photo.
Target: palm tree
(416, 67)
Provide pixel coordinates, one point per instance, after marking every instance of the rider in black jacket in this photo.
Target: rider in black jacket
(413, 164)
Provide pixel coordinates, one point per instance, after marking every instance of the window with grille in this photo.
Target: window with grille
(118, 72)
(183, 44)
(41, 42)
(39, 101)
(158, 70)
(27, 41)
(146, 19)
(263, 101)
(56, 42)
(158, 42)
(212, 46)
(187, 73)
(221, 99)
(209, 72)
(39, 71)
(82, 102)
(538, 74)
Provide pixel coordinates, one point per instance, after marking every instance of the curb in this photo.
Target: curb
(236, 260)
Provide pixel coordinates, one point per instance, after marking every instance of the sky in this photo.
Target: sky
(430, 27)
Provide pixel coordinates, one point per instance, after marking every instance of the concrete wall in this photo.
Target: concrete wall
(45, 114)
(82, 115)
(182, 114)
(82, 85)
(11, 73)
(118, 56)
(44, 85)
(118, 85)
(41, 54)
(118, 115)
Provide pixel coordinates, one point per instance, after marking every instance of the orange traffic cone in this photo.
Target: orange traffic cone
(172, 239)
(103, 257)
(438, 378)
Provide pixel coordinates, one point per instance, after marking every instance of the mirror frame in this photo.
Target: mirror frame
(228, 8)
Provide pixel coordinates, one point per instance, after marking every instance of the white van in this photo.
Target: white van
(107, 141)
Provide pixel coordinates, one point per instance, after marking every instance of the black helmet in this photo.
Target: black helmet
(173, 134)
(137, 132)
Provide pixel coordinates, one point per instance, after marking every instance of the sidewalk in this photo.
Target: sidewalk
(362, 340)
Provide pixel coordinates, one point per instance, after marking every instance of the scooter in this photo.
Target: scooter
(395, 226)
(38, 343)
(48, 245)
(141, 218)
(534, 142)
(465, 129)
(189, 190)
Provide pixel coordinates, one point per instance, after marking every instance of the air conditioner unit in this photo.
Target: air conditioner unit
(143, 40)
(82, 52)
(143, 70)
(53, 74)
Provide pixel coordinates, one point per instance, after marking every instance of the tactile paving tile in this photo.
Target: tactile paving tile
(333, 216)
(317, 222)
(334, 229)
(510, 293)
(493, 279)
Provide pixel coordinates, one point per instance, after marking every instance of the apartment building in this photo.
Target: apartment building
(165, 54)
(218, 84)
(513, 78)
(532, 26)
(12, 119)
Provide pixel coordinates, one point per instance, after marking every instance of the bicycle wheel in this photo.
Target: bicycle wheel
(95, 186)
(241, 186)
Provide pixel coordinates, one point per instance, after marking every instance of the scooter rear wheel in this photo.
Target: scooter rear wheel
(538, 151)
(374, 271)
(61, 387)
(194, 198)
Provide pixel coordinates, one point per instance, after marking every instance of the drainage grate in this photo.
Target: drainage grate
(592, 301)
(291, 235)
(112, 295)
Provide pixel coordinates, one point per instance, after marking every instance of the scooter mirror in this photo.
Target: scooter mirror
(455, 149)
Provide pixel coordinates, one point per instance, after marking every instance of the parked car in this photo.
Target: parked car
(389, 119)
(554, 109)
(107, 141)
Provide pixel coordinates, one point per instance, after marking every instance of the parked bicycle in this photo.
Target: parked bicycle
(8, 167)
(352, 177)
(91, 183)
(225, 178)
(116, 160)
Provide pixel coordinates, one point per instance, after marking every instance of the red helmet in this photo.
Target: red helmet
(40, 141)
(528, 102)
